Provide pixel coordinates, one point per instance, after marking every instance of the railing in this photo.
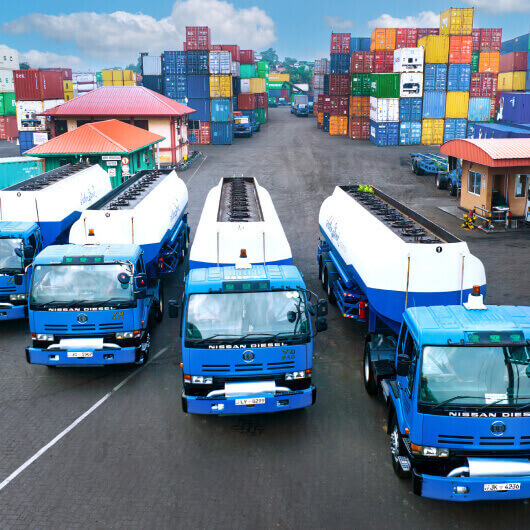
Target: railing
(490, 217)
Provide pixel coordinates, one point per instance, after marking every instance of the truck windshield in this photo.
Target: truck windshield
(232, 316)
(241, 120)
(475, 375)
(87, 284)
(8, 259)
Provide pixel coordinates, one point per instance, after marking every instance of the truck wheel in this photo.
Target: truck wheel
(147, 344)
(414, 167)
(452, 189)
(440, 184)
(368, 372)
(397, 449)
(159, 307)
(329, 288)
(321, 272)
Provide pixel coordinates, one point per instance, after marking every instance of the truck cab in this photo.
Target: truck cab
(19, 243)
(242, 126)
(457, 386)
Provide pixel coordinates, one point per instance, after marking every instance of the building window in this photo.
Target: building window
(521, 185)
(474, 183)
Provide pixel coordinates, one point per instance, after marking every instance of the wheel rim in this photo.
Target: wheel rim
(323, 276)
(394, 443)
(147, 343)
(366, 369)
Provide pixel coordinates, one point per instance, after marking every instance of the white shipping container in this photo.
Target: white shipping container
(8, 58)
(85, 87)
(151, 65)
(220, 62)
(318, 82)
(6, 81)
(245, 85)
(384, 109)
(303, 86)
(83, 77)
(411, 85)
(235, 68)
(408, 60)
(50, 103)
(27, 116)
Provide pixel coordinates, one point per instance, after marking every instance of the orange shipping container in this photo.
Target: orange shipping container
(460, 50)
(338, 125)
(359, 107)
(489, 62)
(383, 39)
(320, 120)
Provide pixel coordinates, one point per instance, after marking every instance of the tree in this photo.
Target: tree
(289, 61)
(134, 67)
(24, 66)
(270, 56)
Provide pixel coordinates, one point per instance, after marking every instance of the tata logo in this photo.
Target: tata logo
(82, 319)
(248, 356)
(498, 428)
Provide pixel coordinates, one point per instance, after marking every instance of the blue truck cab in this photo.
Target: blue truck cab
(457, 386)
(242, 126)
(247, 335)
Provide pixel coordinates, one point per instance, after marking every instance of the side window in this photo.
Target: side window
(402, 336)
(140, 268)
(32, 240)
(411, 351)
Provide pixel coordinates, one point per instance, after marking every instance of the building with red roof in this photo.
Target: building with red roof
(136, 105)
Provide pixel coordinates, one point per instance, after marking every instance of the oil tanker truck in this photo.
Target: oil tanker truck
(247, 335)
(453, 372)
(96, 300)
(38, 212)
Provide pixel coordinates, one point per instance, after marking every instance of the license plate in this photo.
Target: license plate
(80, 354)
(250, 401)
(510, 486)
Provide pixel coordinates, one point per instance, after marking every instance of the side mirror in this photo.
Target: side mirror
(19, 279)
(173, 309)
(124, 278)
(311, 309)
(29, 251)
(321, 324)
(402, 366)
(18, 252)
(141, 281)
(322, 308)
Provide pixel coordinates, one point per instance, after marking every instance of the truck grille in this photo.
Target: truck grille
(280, 366)
(455, 439)
(4, 290)
(497, 441)
(248, 368)
(82, 327)
(216, 367)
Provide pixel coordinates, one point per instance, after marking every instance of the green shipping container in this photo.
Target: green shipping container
(272, 100)
(99, 76)
(247, 71)
(10, 108)
(17, 169)
(474, 61)
(263, 66)
(384, 85)
(261, 115)
(275, 85)
(360, 85)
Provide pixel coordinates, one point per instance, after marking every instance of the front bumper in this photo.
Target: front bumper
(443, 488)
(12, 312)
(227, 405)
(67, 357)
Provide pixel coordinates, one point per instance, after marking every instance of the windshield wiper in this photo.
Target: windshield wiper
(109, 301)
(494, 403)
(211, 337)
(10, 270)
(522, 407)
(61, 303)
(441, 404)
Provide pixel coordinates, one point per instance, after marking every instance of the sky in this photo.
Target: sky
(93, 34)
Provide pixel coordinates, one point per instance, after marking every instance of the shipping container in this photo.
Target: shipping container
(432, 132)
(320, 119)
(406, 38)
(410, 133)
(9, 59)
(199, 88)
(321, 67)
(340, 63)
(221, 110)
(490, 40)
(364, 46)
(360, 85)
(151, 65)
(475, 37)
(28, 116)
(384, 109)
(220, 63)
(470, 130)
(435, 77)
(338, 125)
(460, 49)
(483, 85)
(261, 115)
(176, 86)
(513, 62)
(201, 131)
(408, 60)
(522, 43)
(411, 85)
(475, 56)
(479, 109)
(153, 82)
(433, 105)
(325, 122)
(198, 38)
(436, 48)
(258, 85)
(247, 57)
(244, 85)
(25, 139)
(201, 107)
(117, 75)
(235, 69)
(220, 86)
(339, 105)
(246, 101)
(512, 82)
(383, 39)
(410, 109)
(7, 104)
(456, 21)
(340, 43)
(197, 63)
(233, 49)
(362, 62)
(499, 130)
(16, 169)
(385, 86)
(339, 85)
(489, 62)
(458, 77)
(173, 63)
(324, 102)
(7, 81)
(425, 32)
(261, 101)
(247, 71)
(359, 107)
(383, 62)
(455, 129)
(359, 128)
(384, 134)
(514, 107)
(8, 128)
(250, 113)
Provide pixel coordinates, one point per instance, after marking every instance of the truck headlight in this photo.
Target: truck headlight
(126, 335)
(425, 450)
(21, 296)
(295, 375)
(44, 337)
(201, 380)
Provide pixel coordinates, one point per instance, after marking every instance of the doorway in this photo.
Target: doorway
(499, 191)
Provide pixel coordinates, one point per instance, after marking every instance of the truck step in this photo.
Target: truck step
(404, 462)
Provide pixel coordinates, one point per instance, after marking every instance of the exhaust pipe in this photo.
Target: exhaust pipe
(493, 467)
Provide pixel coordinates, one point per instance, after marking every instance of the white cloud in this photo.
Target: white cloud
(119, 36)
(504, 6)
(425, 19)
(37, 59)
(338, 23)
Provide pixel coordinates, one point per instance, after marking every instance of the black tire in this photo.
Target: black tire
(321, 270)
(440, 184)
(368, 372)
(159, 309)
(397, 448)
(414, 167)
(452, 189)
(329, 289)
(143, 360)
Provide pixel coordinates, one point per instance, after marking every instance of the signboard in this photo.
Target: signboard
(110, 157)
(112, 163)
(125, 161)
(111, 171)
(40, 137)
(125, 170)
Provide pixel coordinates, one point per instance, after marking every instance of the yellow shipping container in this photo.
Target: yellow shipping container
(432, 132)
(257, 85)
(129, 83)
(457, 105)
(456, 21)
(117, 82)
(221, 86)
(489, 62)
(320, 118)
(436, 48)
(117, 75)
(285, 77)
(68, 86)
(338, 125)
(509, 81)
(68, 96)
(106, 75)
(107, 82)
(279, 78)
(128, 75)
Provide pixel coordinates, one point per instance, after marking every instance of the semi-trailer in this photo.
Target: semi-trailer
(36, 213)
(96, 300)
(453, 373)
(247, 335)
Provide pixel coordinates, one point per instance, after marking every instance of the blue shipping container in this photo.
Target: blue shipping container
(340, 63)
(499, 130)
(410, 132)
(471, 129)
(275, 93)
(384, 134)
(154, 83)
(508, 46)
(434, 105)
(435, 77)
(325, 122)
(234, 103)
(236, 85)
(221, 133)
(459, 77)
(25, 139)
(355, 44)
(521, 44)
(479, 109)
(201, 107)
(410, 109)
(198, 86)
(176, 86)
(250, 113)
(197, 63)
(514, 107)
(455, 129)
(174, 62)
(326, 84)
(221, 109)
(365, 43)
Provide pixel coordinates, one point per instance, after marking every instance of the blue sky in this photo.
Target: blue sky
(94, 34)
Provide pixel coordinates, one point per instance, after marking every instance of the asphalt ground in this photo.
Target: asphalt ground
(136, 460)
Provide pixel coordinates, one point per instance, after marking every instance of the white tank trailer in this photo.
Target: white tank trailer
(239, 215)
(397, 257)
(54, 199)
(146, 210)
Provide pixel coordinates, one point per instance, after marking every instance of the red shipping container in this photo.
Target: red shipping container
(513, 62)
(496, 39)
(38, 85)
(359, 128)
(406, 38)
(424, 32)
(233, 49)
(490, 40)
(475, 36)
(198, 38)
(8, 128)
(284, 93)
(483, 85)
(262, 100)
(205, 132)
(65, 72)
(340, 43)
(246, 101)
(216, 48)
(339, 84)
(460, 49)
(247, 57)
(383, 62)
(339, 105)
(324, 103)
(362, 62)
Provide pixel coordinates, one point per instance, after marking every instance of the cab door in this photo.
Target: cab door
(407, 384)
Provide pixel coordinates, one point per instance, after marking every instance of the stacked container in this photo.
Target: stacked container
(123, 77)
(8, 123)
(514, 65)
